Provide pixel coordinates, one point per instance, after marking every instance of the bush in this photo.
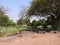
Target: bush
(49, 27)
(24, 26)
(40, 27)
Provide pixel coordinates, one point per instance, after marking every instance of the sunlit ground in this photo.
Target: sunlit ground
(30, 38)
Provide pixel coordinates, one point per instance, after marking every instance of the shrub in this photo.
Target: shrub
(49, 27)
(24, 26)
(40, 27)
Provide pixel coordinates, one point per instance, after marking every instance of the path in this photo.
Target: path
(31, 39)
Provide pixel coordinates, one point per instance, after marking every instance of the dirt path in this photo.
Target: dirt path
(31, 39)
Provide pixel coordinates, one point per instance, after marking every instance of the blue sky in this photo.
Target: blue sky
(14, 6)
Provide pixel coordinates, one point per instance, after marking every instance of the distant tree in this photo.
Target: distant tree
(3, 20)
(11, 23)
(23, 22)
(3, 17)
(23, 12)
(20, 22)
(23, 17)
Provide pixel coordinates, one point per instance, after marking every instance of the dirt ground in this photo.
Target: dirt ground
(30, 38)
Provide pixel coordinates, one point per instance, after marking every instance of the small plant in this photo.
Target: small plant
(49, 27)
(24, 26)
(40, 27)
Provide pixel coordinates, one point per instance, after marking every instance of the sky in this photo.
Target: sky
(14, 6)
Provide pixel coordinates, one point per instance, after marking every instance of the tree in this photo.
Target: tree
(3, 20)
(23, 12)
(23, 22)
(45, 8)
(27, 21)
(11, 23)
(3, 17)
(20, 22)
(23, 17)
(42, 22)
(34, 24)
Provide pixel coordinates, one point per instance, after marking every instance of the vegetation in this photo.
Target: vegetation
(9, 31)
(23, 22)
(4, 19)
(45, 8)
(50, 9)
(5, 23)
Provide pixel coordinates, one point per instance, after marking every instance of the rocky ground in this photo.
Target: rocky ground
(30, 38)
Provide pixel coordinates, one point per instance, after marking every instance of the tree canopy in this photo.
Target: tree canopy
(45, 8)
(4, 19)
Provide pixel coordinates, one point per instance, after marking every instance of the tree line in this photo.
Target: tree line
(5, 21)
(40, 8)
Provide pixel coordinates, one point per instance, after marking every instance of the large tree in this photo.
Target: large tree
(45, 8)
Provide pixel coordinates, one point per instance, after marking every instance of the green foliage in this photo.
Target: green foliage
(45, 8)
(3, 17)
(42, 21)
(35, 7)
(24, 26)
(49, 27)
(27, 21)
(11, 23)
(40, 27)
(34, 24)
(8, 31)
(3, 20)
(23, 22)
(20, 22)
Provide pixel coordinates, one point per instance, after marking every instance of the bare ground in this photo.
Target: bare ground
(30, 38)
